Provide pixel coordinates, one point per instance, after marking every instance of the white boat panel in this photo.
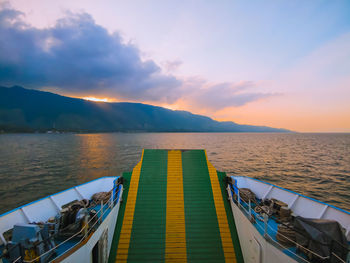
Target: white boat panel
(25, 215)
(291, 204)
(242, 182)
(66, 197)
(40, 211)
(307, 207)
(259, 189)
(325, 207)
(78, 192)
(55, 204)
(281, 195)
(267, 192)
(104, 185)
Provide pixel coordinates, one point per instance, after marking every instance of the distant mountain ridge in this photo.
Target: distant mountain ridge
(26, 110)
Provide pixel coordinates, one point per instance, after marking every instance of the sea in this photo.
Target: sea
(33, 166)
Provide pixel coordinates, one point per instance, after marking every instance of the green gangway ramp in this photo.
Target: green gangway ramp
(175, 209)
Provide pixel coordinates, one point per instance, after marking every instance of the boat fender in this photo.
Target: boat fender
(263, 210)
(101, 197)
(247, 195)
(257, 209)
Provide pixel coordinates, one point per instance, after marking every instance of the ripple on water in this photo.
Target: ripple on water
(35, 165)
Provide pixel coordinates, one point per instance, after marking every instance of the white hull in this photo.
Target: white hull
(84, 253)
(43, 209)
(255, 248)
(258, 249)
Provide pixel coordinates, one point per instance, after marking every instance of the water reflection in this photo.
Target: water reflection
(94, 157)
(33, 166)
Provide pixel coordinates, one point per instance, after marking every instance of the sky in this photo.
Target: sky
(284, 64)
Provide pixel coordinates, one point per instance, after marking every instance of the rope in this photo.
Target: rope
(246, 194)
(102, 196)
(282, 231)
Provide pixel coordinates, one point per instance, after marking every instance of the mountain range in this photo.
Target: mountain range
(27, 110)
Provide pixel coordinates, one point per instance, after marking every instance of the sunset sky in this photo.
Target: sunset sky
(284, 64)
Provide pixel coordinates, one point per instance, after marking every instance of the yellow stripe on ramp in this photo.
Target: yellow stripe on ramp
(175, 250)
(125, 233)
(225, 233)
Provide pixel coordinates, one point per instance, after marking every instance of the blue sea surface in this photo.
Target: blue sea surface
(36, 165)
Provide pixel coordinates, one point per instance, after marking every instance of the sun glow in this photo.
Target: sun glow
(96, 99)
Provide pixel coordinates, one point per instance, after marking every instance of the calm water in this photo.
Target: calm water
(36, 165)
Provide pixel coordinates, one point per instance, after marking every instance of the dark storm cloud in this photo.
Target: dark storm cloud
(78, 55)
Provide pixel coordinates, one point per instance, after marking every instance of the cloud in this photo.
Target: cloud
(77, 56)
(171, 66)
(219, 96)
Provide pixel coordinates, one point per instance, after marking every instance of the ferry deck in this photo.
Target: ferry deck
(174, 210)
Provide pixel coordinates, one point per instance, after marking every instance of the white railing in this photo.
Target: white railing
(248, 212)
(85, 228)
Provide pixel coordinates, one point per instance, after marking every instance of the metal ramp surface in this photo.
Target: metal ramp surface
(175, 209)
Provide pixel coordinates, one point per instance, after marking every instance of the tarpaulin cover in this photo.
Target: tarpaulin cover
(321, 236)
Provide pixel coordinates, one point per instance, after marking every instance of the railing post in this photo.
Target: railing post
(250, 210)
(86, 226)
(238, 198)
(266, 218)
(101, 212)
(111, 201)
